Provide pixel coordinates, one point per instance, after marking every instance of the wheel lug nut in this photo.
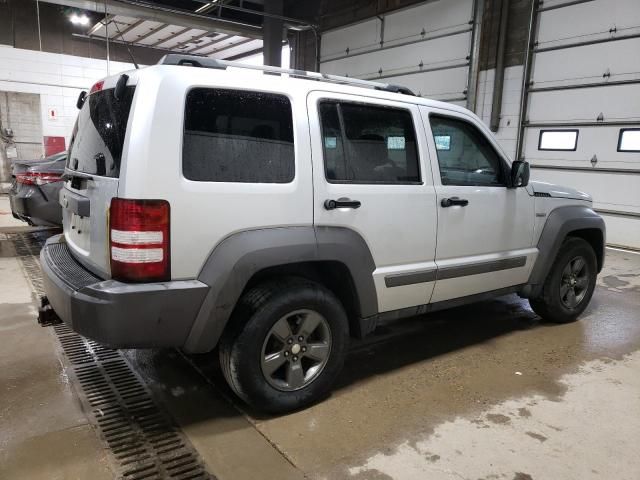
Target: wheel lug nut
(295, 359)
(300, 338)
(286, 353)
(290, 341)
(304, 349)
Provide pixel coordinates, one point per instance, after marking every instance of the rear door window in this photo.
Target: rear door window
(368, 144)
(98, 136)
(238, 136)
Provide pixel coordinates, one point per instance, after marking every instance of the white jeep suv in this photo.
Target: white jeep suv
(275, 214)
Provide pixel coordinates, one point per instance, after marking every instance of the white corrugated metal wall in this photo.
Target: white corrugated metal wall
(425, 47)
(585, 76)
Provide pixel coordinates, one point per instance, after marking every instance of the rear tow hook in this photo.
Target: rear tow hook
(46, 315)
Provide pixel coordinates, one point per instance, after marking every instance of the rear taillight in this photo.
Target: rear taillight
(139, 240)
(37, 178)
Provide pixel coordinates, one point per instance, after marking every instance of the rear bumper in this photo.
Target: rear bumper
(117, 314)
(37, 207)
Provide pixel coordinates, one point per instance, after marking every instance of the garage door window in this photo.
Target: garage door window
(629, 140)
(368, 144)
(559, 140)
(237, 136)
(465, 156)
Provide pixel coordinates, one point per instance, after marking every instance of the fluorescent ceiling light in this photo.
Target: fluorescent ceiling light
(79, 19)
(206, 6)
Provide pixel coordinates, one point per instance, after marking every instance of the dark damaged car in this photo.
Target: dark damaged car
(35, 189)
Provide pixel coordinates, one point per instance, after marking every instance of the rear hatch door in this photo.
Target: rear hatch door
(92, 172)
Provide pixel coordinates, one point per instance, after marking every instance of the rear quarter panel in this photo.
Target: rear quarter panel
(204, 213)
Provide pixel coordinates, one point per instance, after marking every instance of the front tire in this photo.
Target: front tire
(285, 345)
(570, 284)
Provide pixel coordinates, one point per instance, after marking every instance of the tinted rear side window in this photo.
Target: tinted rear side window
(238, 136)
(98, 136)
(368, 144)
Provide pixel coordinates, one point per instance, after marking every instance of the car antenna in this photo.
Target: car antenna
(126, 44)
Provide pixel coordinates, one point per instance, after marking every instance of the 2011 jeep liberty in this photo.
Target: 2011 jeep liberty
(276, 215)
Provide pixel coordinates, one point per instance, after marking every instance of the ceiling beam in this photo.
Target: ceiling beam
(122, 33)
(242, 55)
(100, 24)
(193, 39)
(171, 37)
(206, 45)
(162, 14)
(151, 31)
(227, 47)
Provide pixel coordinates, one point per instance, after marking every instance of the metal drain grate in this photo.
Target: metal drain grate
(143, 440)
(27, 246)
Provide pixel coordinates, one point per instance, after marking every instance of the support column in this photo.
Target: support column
(272, 34)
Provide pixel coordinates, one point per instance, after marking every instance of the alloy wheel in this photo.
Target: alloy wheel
(574, 282)
(296, 350)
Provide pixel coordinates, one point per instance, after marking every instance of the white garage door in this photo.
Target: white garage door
(426, 48)
(583, 112)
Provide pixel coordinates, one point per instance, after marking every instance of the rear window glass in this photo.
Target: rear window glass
(98, 136)
(238, 136)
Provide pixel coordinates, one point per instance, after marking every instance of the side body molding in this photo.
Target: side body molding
(237, 258)
(561, 222)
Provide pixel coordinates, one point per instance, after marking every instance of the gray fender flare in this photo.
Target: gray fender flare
(560, 222)
(238, 257)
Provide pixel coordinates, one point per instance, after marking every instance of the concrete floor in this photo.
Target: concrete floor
(480, 392)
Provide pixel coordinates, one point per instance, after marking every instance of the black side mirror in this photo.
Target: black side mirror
(519, 174)
(81, 98)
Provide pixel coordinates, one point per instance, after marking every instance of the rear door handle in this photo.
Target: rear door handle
(451, 201)
(341, 203)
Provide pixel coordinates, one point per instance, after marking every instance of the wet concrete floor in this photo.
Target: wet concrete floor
(485, 391)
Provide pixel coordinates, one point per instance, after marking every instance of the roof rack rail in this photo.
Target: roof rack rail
(206, 62)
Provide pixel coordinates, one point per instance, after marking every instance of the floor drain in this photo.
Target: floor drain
(143, 440)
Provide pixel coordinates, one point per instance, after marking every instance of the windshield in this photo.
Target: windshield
(98, 136)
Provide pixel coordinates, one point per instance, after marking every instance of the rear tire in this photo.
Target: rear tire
(569, 285)
(285, 344)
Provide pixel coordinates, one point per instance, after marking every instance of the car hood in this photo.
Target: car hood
(559, 191)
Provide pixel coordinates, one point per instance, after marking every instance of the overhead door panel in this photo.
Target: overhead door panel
(591, 63)
(425, 47)
(428, 21)
(584, 77)
(442, 52)
(619, 102)
(593, 150)
(593, 20)
(444, 85)
(352, 39)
